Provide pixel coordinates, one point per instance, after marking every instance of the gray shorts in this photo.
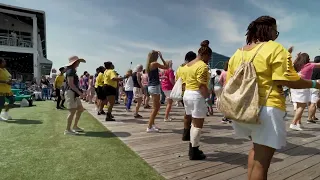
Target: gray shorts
(154, 89)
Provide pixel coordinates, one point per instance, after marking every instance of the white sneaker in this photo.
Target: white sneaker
(300, 126)
(66, 132)
(156, 127)
(151, 130)
(5, 116)
(167, 120)
(295, 127)
(2, 119)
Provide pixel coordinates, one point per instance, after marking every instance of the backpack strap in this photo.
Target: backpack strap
(256, 52)
(252, 58)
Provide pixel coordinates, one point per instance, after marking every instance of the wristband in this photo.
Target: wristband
(314, 83)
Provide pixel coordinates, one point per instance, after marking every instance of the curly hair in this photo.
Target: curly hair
(261, 29)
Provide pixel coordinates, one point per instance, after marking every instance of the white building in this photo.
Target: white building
(23, 42)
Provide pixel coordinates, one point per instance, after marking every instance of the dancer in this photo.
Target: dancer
(90, 91)
(222, 82)
(167, 83)
(152, 68)
(58, 83)
(72, 95)
(196, 96)
(5, 91)
(302, 96)
(128, 88)
(146, 97)
(137, 90)
(181, 73)
(111, 80)
(101, 96)
(314, 99)
(274, 69)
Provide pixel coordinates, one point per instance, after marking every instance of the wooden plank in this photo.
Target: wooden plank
(227, 155)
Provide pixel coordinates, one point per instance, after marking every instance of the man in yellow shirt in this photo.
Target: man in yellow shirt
(58, 83)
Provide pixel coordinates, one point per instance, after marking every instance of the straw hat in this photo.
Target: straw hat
(74, 59)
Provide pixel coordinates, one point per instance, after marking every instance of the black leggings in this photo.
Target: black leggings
(59, 98)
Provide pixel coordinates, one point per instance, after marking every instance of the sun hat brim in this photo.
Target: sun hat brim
(80, 60)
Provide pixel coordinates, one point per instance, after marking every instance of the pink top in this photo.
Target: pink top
(223, 78)
(166, 83)
(144, 79)
(306, 71)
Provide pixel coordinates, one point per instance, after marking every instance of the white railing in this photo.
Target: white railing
(12, 41)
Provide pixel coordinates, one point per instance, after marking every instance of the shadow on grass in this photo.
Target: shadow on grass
(106, 134)
(24, 121)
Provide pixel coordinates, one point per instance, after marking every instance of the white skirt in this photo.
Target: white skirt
(271, 132)
(314, 95)
(300, 95)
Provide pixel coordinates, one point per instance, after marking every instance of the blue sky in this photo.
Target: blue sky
(124, 31)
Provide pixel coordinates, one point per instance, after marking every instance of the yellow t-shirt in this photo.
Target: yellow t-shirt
(108, 75)
(273, 62)
(59, 81)
(181, 73)
(196, 75)
(5, 89)
(99, 80)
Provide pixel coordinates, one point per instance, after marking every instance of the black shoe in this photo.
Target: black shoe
(195, 153)
(311, 121)
(59, 107)
(137, 116)
(102, 112)
(62, 106)
(186, 135)
(109, 117)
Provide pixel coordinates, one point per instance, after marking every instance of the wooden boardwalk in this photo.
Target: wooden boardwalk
(226, 154)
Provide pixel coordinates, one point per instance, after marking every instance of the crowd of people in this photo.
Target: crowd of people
(268, 62)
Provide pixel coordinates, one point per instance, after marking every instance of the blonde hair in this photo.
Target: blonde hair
(129, 71)
(152, 57)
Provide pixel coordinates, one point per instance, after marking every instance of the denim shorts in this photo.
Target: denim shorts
(3, 100)
(154, 89)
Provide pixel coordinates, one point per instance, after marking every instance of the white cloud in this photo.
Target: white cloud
(225, 24)
(285, 18)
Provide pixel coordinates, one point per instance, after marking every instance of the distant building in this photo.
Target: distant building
(217, 60)
(23, 42)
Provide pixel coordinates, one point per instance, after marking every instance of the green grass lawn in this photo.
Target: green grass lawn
(33, 147)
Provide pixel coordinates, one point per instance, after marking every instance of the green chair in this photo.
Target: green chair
(18, 96)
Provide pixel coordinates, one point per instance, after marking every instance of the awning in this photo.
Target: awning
(46, 66)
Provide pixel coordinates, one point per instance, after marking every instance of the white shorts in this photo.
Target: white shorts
(137, 93)
(167, 93)
(314, 93)
(300, 95)
(271, 132)
(217, 91)
(72, 102)
(194, 104)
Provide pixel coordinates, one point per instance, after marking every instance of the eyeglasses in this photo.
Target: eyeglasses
(277, 32)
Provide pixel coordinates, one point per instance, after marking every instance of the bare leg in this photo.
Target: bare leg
(168, 108)
(138, 104)
(155, 110)
(298, 113)
(70, 118)
(259, 160)
(312, 111)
